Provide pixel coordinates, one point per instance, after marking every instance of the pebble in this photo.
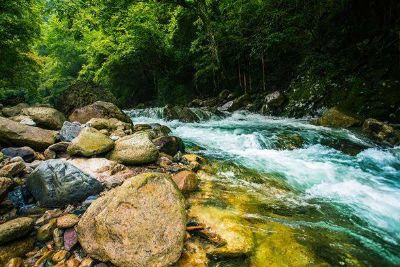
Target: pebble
(70, 238)
(67, 221)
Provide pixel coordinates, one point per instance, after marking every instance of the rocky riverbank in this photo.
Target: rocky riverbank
(95, 190)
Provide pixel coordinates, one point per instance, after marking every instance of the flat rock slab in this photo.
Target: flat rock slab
(14, 133)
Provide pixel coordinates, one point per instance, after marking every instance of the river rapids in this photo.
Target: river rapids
(332, 195)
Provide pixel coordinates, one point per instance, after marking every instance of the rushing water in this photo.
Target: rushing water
(338, 191)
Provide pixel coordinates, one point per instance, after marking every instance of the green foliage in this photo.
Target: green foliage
(322, 53)
(19, 26)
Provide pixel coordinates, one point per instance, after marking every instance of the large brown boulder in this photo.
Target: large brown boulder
(46, 117)
(381, 132)
(98, 109)
(337, 119)
(141, 223)
(14, 133)
(14, 110)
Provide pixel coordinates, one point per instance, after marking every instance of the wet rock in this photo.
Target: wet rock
(70, 238)
(12, 168)
(141, 223)
(98, 109)
(13, 111)
(108, 172)
(60, 255)
(193, 255)
(161, 130)
(15, 249)
(134, 149)
(26, 120)
(15, 229)
(337, 119)
(289, 141)
(67, 221)
(6, 185)
(273, 102)
(70, 130)
(15, 262)
(26, 153)
(186, 181)
(194, 158)
(381, 132)
(45, 117)
(45, 232)
(90, 142)
(56, 183)
(14, 133)
(229, 227)
(179, 113)
(169, 145)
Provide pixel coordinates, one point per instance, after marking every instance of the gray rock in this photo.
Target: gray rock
(70, 130)
(56, 183)
(26, 153)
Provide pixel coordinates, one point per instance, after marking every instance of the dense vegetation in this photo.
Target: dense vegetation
(323, 53)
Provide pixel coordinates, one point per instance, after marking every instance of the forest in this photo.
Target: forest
(326, 52)
(199, 133)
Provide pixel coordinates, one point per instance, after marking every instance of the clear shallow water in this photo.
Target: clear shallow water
(330, 191)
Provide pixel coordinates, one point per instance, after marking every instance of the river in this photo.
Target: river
(336, 194)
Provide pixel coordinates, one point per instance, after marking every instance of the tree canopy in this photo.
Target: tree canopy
(173, 51)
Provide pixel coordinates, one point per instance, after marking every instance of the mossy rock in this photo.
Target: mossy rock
(81, 94)
(337, 119)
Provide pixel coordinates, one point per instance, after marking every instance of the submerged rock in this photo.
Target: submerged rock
(26, 153)
(337, 119)
(70, 130)
(90, 142)
(98, 109)
(141, 223)
(56, 183)
(381, 132)
(134, 149)
(169, 145)
(289, 141)
(14, 133)
(48, 118)
(15, 229)
(229, 227)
